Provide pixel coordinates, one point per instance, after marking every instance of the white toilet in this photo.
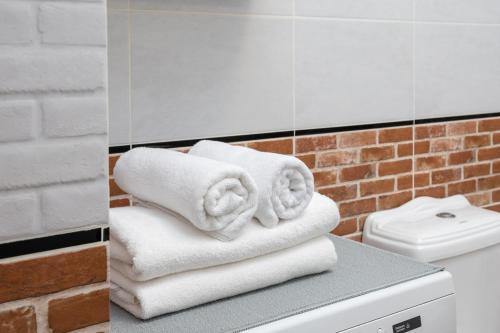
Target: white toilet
(451, 233)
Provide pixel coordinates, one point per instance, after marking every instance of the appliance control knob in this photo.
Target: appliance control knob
(446, 215)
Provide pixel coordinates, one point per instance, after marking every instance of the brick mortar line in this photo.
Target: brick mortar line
(49, 141)
(52, 94)
(365, 180)
(40, 303)
(121, 196)
(395, 191)
(36, 188)
(454, 166)
(103, 327)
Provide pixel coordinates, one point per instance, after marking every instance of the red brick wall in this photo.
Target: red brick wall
(58, 291)
(377, 169)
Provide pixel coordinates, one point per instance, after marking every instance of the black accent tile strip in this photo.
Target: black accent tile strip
(119, 149)
(352, 128)
(105, 234)
(189, 143)
(313, 131)
(54, 242)
(456, 118)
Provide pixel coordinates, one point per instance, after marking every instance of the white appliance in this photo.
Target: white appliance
(369, 291)
(453, 234)
(426, 304)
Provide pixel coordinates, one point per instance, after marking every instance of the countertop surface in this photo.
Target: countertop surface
(360, 269)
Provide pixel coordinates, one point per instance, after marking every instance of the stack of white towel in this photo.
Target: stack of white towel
(217, 222)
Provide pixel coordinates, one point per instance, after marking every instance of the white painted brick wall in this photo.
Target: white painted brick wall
(43, 70)
(44, 164)
(53, 117)
(16, 23)
(74, 205)
(74, 116)
(72, 24)
(17, 120)
(19, 215)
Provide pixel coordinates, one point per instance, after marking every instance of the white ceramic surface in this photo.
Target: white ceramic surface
(472, 11)
(457, 69)
(208, 75)
(118, 76)
(265, 7)
(375, 9)
(352, 72)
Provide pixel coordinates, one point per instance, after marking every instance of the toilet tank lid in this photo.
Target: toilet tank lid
(430, 229)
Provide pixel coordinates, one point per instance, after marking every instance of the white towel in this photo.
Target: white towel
(284, 182)
(183, 290)
(148, 243)
(216, 197)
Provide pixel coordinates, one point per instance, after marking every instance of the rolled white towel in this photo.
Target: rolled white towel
(218, 198)
(285, 184)
(168, 245)
(183, 290)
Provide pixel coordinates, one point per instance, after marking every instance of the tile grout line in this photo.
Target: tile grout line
(318, 131)
(129, 56)
(413, 102)
(303, 17)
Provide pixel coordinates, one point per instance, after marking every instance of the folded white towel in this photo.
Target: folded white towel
(183, 290)
(284, 182)
(148, 243)
(216, 197)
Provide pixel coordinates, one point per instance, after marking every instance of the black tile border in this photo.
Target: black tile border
(105, 234)
(456, 118)
(349, 128)
(189, 143)
(313, 131)
(53, 242)
(118, 149)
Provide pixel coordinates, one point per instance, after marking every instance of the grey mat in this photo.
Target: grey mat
(361, 269)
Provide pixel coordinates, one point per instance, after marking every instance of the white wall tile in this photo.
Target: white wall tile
(457, 69)
(376, 9)
(197, 75)
(118, 78)
(478, 11)
(272, 7)
(117, 4)
(209, 75)
(352, 72)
